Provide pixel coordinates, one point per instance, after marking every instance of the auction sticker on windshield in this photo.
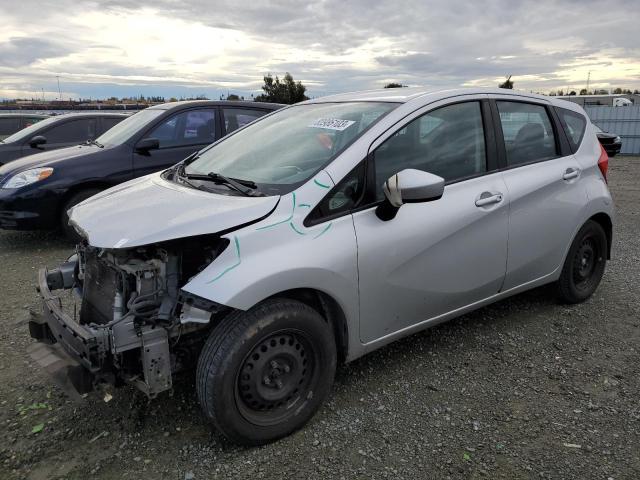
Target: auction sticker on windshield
(332, 123)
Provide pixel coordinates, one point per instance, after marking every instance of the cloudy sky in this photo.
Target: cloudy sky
(190, 47)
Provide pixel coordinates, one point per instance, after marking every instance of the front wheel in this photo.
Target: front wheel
(263, 373)
(584, 266)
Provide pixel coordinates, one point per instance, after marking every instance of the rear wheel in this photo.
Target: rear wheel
(584, 265)
(75, 199)
(263, 373)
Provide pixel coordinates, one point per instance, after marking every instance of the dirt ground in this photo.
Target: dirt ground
(523, 389)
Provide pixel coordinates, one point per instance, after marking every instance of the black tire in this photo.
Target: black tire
(584, 266)
(263, 373)
(75, 199)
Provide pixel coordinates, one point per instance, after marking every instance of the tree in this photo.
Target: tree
(636, 92)
(572, 92)
(285, 91)
(617, 91)
(507, 83)
(233, 97)
(394, 85)
(584, 92)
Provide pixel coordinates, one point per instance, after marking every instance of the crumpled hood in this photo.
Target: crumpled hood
(150, 209)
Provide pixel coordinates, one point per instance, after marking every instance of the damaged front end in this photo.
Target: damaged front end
(118, 316)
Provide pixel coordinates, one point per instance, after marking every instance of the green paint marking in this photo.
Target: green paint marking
(304, 205)
(232, 266)
(296, 230)
(283, 221)
(324, 231)
(320, 184)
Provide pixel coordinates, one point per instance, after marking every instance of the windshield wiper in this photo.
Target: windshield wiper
(246, 187)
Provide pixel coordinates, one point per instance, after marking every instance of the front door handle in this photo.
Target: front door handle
(571, 173)
(488, 198)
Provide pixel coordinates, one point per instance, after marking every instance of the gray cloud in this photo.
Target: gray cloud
(23, 51)
(437, 43)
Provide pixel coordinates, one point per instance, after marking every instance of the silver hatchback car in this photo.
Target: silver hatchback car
(317, 234)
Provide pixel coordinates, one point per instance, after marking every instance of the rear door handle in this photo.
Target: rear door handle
(488, 198)
(571, 173)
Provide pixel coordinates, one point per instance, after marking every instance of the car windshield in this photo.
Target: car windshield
(129, 126)
(31, 130)
(283, 150)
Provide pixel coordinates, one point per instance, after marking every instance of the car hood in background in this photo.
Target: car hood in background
(48, 158)
(150, 210)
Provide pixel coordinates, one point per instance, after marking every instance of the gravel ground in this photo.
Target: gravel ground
(523, 389)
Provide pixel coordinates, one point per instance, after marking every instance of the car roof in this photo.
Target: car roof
(214, 103)
(91, 114)
(24, 114)
(410, 94)
(407, 94)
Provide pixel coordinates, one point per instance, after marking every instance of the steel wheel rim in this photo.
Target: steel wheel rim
(585, 262)
(275, 376)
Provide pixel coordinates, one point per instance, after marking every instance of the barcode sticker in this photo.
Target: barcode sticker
(332, 123)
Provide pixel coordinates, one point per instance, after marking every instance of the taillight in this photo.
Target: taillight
(603, 162)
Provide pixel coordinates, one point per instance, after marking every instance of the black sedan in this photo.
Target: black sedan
(10, 123)
(57, 132)
(37, 191)
(609, 141)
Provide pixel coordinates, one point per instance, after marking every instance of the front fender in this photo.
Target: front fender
(279, 253)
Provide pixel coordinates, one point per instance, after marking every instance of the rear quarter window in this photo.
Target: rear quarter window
(574, 125)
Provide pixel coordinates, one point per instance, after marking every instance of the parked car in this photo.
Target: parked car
(36, 192)
(10, 123)
(610, 141)
(57, 132)
(322, 232)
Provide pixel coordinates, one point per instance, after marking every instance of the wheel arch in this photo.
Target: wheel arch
(604, 220)
(330, 310)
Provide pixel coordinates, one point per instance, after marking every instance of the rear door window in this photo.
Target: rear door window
(73, 131)
(235, 118)
(193, 127)
(574, 125)
(527, 131)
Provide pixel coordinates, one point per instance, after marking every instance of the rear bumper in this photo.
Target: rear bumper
(72, 353)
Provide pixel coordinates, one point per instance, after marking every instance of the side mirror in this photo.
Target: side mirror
(146, 144)
(409, 186)
(36, 141)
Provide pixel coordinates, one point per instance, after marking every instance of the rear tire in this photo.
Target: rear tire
(263, 373)
(75, 199)
(584, 266)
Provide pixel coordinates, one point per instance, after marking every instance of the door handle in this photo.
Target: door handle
(488, 198)
(571, 173)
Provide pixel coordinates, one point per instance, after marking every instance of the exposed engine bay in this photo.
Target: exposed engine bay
(134, 324)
